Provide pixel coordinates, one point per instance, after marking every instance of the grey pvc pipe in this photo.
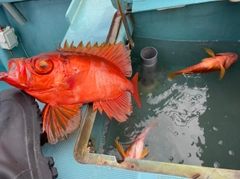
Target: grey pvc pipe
(17, 15)
(149, 56)
(149, 63)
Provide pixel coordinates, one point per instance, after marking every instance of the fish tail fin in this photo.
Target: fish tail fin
(172, 75)
(60, 120)
(135, 90)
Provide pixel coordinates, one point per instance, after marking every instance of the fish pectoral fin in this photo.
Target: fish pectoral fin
(209, 52)
(144, 153)
(116, 108)
(212, 65)
(60, 120)
(222, 72)
(120, 148)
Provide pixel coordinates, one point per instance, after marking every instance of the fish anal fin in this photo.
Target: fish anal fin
(222, 72)
(60, 120)
(120, 148)
(209, 52)
(116, 108)
(144, 153)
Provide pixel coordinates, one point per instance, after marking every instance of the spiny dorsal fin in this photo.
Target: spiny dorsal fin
(114, 53)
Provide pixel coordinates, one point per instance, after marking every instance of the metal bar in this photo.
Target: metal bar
(17, 15)
(125, 23)
(114, 28)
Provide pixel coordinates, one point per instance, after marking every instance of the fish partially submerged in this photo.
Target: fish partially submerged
(136, 149)
(220, 61)
(71, 76)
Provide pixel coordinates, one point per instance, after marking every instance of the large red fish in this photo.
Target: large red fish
(220, 61)
(136, 149)
(72, 76)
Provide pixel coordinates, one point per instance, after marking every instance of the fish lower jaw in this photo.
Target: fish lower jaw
(3, 75)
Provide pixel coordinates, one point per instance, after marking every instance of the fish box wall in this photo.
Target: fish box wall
(180, 36)
(206, 21)
(213, 24)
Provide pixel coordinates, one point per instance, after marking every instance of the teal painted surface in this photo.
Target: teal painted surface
(5, 54)
(10, 1)
(146, 5)
(90, 22)
(207, 21)
(46, 24)
(73, 10)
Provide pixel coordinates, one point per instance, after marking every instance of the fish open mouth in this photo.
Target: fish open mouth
(14, 68)
(3, 75)
(12, 71)
(16, 74)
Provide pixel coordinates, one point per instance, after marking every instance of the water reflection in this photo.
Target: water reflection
(178, 108)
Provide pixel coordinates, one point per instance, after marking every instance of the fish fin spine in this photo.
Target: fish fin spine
(60, 120)
(222, 72)
(114, 53)
(120, 148)
(116, 108)
(144, 153)
(209, 52)
(135, 90)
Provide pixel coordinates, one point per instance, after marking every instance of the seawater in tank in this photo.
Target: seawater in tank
(198, 114)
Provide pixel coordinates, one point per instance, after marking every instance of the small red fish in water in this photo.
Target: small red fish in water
(136, 149)
(220, 61)
(72, 76)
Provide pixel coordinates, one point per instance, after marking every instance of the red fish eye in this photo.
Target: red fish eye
(43, 66)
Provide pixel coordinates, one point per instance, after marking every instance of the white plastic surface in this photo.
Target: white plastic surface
(8, 39)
